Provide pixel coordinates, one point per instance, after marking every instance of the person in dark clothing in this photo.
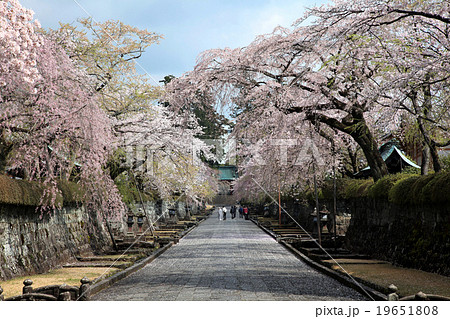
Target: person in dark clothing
(233, 212)
(241, 211)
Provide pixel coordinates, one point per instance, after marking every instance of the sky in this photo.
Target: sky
(189, 27)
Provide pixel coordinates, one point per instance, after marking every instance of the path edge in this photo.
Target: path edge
(107, 282)
(360, 287)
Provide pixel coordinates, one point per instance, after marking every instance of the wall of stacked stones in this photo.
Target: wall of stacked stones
(415, 236)
(32, 242)
(404, 219)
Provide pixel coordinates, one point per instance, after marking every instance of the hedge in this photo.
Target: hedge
(346, 188)
(29, 193)
(434, 188)
(402, 189)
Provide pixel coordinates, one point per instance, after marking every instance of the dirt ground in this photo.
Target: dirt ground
(69, 276)
(408, 281)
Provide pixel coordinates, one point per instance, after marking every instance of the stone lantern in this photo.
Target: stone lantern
(140, 220)
(130, 221)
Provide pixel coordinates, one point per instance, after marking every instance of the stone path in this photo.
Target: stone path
(227, 260)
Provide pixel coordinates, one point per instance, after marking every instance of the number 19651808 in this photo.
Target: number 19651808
(407, 310)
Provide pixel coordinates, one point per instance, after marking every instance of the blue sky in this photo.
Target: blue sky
(189, 26)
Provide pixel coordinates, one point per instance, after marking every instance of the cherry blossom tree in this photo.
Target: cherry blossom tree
(412, 45)
(277, 153)
(296, 72)
(52, 128)
(18, 46)
(167, 151)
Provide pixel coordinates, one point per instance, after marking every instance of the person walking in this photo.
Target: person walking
(234, 211)
(224, 213)
(241, 211)
(246, 213)
(220, 213)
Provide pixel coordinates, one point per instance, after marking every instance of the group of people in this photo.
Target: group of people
(243, 212)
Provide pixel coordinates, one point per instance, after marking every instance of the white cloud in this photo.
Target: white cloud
(189, 26)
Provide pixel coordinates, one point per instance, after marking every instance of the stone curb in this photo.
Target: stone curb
(345, 280)
(184, 233)
(105, 283)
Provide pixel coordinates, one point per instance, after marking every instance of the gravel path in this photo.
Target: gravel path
(227, 260)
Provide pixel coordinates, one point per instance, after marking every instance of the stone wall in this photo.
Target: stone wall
(30, 243)
(415, 236)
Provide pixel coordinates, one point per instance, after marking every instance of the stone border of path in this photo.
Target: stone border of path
(107, 282)
(360, 287)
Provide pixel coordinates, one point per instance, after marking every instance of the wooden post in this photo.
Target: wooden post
(334, 196)
(315, 192)
(150, 226)
(319, 233)
(279, 201)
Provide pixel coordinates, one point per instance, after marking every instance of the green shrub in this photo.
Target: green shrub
(382, 187)
(347, 188)
(129, 192)
(19, 192)
(433, 188)
(401, 188)
(445, 160)
(411, 170)
(356, 188)
(29, 193)
(438, 189)
(400, 193)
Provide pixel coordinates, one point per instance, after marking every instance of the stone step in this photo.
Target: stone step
(106, 258)
(119, 264)
(339, 256)
(346, 261)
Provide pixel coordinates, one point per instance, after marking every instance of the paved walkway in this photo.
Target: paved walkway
(227, 260)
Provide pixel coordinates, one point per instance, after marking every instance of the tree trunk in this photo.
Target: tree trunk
(369, 147)
(432, 147)
(425, 166)
(355, 125)
(5, 149)
(435, 157)
(426, 107)
(353, 159)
